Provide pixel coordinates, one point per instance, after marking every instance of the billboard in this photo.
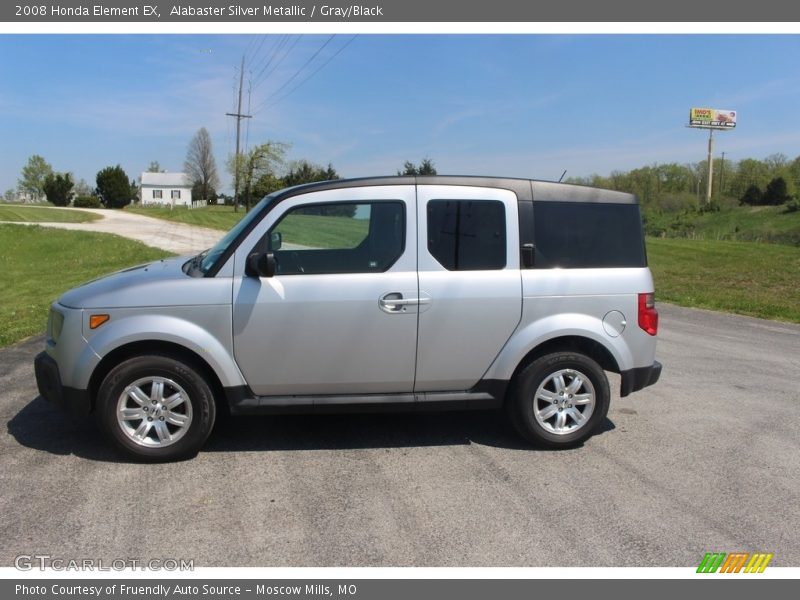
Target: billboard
(712, 118)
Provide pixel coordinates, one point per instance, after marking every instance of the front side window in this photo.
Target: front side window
(467, 235)
(344, 237)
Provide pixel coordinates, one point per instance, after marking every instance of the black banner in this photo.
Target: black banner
(402, 589)
(394, 11)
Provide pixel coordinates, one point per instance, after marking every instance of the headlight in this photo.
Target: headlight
(54, 325)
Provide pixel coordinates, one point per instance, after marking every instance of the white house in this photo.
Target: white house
(169, 189)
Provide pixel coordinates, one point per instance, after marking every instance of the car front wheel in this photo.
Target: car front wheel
(156, 408)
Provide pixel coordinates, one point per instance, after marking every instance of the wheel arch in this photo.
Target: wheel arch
(160, 348)
(567, 343)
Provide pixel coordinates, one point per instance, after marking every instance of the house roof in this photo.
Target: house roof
(166, 179)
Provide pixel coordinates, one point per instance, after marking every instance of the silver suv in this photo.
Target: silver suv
(394, 292)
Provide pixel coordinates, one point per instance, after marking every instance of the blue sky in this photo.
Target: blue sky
(515, 105)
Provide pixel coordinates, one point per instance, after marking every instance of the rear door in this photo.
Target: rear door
(469, 280)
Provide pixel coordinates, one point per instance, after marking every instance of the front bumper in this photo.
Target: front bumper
(48, 381)
(635, 379)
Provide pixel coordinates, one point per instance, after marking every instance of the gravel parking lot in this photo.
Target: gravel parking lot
(707, 460)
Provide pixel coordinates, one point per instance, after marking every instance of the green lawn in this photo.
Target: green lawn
(39, 264)
(41, 214)
(215, 217)
(761, 280)
(770, 224)
(335, 232)
(742, 277)
(296, 229)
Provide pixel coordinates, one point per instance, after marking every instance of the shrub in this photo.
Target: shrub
(87, 202)
(792, 206)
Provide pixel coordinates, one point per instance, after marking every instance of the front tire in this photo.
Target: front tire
(559, 400)
(156, 408)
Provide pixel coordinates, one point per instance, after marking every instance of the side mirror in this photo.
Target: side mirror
(260, 264)
(275, 240)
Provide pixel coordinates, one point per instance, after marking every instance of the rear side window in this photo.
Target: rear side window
(467, 235)
(582, 235)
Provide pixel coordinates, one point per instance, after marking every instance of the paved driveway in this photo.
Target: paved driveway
(706, 460)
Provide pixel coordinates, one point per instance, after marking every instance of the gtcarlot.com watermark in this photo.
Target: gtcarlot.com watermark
(44, 562)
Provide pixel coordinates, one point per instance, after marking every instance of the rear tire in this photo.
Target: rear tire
(559, 400)
(155, 408)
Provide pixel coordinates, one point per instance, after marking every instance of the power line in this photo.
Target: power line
(322, 66)
(266, 71)
(258, 49)
(300, 70)
(259, 64)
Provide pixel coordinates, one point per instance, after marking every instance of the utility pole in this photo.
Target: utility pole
(239, 116)
(710, 164)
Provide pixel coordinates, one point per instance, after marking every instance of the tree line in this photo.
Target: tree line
(671, 187)
(256, 172)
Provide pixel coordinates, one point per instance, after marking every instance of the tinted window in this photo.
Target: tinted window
(586, 235)
(354, 237)
(467, 235)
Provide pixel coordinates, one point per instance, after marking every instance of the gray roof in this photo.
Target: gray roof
(166, 179)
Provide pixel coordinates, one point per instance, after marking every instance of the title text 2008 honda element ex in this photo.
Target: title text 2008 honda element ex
(395, 292)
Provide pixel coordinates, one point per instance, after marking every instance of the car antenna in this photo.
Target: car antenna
(562, 176)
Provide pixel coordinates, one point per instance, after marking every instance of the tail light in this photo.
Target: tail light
(648, 315)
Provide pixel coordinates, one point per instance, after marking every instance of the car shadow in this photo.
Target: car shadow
(43, 427)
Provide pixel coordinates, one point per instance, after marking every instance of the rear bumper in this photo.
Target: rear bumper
(48, 380)
(634, 380)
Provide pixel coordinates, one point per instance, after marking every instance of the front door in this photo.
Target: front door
(339, 316)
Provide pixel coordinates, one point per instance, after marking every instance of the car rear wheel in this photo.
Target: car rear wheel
(156, 408)
(559, 400)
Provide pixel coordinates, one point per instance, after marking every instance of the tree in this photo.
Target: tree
(748, 172)
(82, 188)
(58, 188)
(776, 192)
(113, 187)
(154, 167)
(303, 171)
(33, 175)
(425, 168)
(207, 193)
(201, 167)
(267, 184)
(251, 166)
(753, 196)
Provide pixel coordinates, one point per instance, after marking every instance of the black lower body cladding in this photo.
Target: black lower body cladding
(634, 380)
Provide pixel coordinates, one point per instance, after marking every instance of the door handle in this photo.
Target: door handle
(394, 302)
(398, 301)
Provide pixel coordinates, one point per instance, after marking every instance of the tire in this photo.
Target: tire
(559, 400)
(156, 409)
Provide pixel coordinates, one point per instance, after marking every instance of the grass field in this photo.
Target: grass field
(41, 214)
(770, 224)
(215, 217)
(296, 229)
(39, 264)
(337, 232)
(760, 280)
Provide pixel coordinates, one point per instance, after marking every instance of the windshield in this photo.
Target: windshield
(209, 258)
